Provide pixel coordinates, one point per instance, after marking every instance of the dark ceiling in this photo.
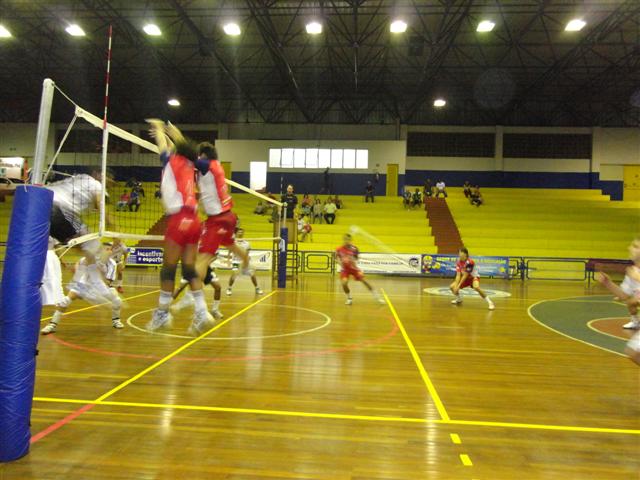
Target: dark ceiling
(527, 71)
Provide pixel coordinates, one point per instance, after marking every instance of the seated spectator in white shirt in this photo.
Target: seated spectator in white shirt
(441, 189)
(330, 212)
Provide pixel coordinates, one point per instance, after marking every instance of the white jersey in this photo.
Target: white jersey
(76, 195)
(118, 252)
(243, 244)
(630, 285)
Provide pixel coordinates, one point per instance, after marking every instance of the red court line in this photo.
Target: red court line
(60, 423)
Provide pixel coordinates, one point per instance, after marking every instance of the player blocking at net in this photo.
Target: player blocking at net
(348, 255)
(467, 276)
(183, 226)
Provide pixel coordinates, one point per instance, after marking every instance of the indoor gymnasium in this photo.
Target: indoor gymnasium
(337, 240)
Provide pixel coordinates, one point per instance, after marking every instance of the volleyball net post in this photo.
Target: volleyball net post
(20, 300)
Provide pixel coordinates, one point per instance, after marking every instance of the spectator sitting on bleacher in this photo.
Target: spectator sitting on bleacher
(305, 205)
(441, 189)
(406, 200)
(466, 189)
(428, 188)
(476, 197)
(158, 193)
(317, 211)
(134, 201)
(260, 208)
(330, 211)
(123, 202)
(338, 202)
(416, 198)
(304, 229)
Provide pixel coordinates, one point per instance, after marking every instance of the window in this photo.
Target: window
(337, 158)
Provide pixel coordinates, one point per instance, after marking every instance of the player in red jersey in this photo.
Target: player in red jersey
(467, 276)
(348, 256)
(183, 226)
(220, 226)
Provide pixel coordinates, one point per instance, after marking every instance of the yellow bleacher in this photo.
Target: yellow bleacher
(401, 230)
(545, 223)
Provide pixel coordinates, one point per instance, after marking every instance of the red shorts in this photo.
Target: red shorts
(183, 227)
(469, 282)
(218, 230)
(350, 271)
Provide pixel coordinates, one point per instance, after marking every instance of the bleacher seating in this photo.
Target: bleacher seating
(545, 223)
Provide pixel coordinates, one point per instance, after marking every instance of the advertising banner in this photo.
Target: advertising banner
(445, 266)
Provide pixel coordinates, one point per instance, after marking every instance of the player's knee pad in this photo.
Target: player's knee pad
(64, 303)
(189, 273)
(168, 273)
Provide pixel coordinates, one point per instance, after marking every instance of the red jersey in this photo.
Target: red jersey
(214, 192)
(348, 256)
(178, 184)
(468, 266)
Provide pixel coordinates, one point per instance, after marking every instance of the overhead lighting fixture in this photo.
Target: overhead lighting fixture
(314, 28)
(575, 25)
(398, 26)
(232, 29)
(152, 30)
(485, 26)
(4, 33)
(439, 102)
(75, 30)
(174, 102)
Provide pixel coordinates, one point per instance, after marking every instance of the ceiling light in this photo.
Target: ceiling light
(152, 30)
(439, 102)
(575, 25)
(174, 102)
(232, 29)
(4, 33)
(75, 30)
(398, 26)
(314, 28)
(485, 26)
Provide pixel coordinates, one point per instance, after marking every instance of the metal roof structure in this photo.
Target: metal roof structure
(527, 71)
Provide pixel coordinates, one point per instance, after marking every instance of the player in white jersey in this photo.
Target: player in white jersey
(119, 254)
(89, 284)
(236, 262)
(629, 292)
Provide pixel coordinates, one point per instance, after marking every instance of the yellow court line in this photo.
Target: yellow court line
(179, 350)
(372, 418)
(455, 438)
(101, 304)
(466, 461)
(416, 358)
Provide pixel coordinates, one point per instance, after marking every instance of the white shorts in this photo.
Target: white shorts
(630, 286)
(51, 288)
(94, 290)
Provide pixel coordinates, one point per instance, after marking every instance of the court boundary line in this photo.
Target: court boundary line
(90, 404)
(532, 316)
(340, 416)
(442, 411)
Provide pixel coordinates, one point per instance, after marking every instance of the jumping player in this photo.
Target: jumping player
(187, 300)
(235, 262)
(88, 284)
(220, 226)
(629, 292)
(348, 256)
(467, 276)
(183, 226)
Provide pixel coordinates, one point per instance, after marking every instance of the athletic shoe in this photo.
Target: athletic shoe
(117, 323)
(120, 289)
(349, 301)
(160, 319)
(491, 306)
(229, 291)
(259, 291)
(186, 301)
(202, 321)
(456, 301)
(49, 328)
(632, 325)
(217, 314)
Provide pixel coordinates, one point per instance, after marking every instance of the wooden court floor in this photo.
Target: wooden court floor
(296, 385)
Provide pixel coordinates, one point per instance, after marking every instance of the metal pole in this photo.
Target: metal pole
(44, 120)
